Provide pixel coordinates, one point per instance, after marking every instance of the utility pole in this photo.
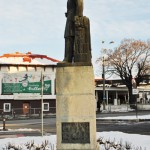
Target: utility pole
(135, 92)
(42, 103)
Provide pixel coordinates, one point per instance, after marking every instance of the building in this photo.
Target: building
(117, 93)
(21, 80)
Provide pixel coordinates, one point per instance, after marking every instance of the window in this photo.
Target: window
(7, 107)
(45, 106)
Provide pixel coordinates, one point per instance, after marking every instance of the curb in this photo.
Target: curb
(124, 120)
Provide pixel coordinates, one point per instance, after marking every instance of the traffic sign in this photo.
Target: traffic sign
(135, 91)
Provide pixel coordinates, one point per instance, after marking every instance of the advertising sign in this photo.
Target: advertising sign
(25, 83)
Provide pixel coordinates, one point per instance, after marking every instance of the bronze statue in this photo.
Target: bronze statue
(77, 34)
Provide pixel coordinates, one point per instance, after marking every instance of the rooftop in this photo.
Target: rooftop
(27, 58)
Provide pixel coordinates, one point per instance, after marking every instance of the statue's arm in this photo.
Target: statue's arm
(79, 5)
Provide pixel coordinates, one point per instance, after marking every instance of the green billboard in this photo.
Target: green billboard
(19, 84)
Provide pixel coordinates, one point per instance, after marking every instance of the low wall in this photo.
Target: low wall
(125, 107)
(118, 108)
(143, 107)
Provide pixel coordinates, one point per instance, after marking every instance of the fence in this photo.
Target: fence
(32, 113)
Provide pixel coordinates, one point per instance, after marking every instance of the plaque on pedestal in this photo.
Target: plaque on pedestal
(75, 132)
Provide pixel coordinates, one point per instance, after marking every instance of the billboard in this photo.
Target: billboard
(25, 83)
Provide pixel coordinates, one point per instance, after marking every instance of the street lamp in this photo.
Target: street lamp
(103, 74)
(42, 77)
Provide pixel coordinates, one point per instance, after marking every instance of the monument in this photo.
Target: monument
(75, 96)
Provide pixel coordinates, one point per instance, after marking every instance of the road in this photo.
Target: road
(50, 124)
(126, 127)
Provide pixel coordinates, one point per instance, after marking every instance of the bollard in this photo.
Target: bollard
(39, 114)
(2, 114)
(14, 114)
(4, 128)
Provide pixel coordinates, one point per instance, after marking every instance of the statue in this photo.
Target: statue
(77, 34)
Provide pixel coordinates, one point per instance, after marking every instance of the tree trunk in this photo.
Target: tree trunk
(132, 98)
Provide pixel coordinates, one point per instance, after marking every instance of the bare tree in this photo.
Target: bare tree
(130, 60)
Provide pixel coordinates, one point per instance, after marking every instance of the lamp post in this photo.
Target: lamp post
(103, 74)
(42, 103)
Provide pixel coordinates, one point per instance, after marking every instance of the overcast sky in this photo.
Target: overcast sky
(38, 25)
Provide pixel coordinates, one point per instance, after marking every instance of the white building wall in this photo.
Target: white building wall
(31, 69)
(4, 69)
(13, 69)
(40, 69)
(1, 76)
(22, 68)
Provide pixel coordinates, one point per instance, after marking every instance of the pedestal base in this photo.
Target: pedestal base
(75, 108)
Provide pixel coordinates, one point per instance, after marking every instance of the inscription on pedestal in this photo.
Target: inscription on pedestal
(75, 132)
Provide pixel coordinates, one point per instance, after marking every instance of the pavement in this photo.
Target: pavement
(16, 134)
(10, 135)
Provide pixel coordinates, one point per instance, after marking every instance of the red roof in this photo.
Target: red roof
(28, 56)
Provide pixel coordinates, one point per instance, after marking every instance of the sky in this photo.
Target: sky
(38, 25)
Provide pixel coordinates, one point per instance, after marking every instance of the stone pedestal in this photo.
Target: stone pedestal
(75, 108)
